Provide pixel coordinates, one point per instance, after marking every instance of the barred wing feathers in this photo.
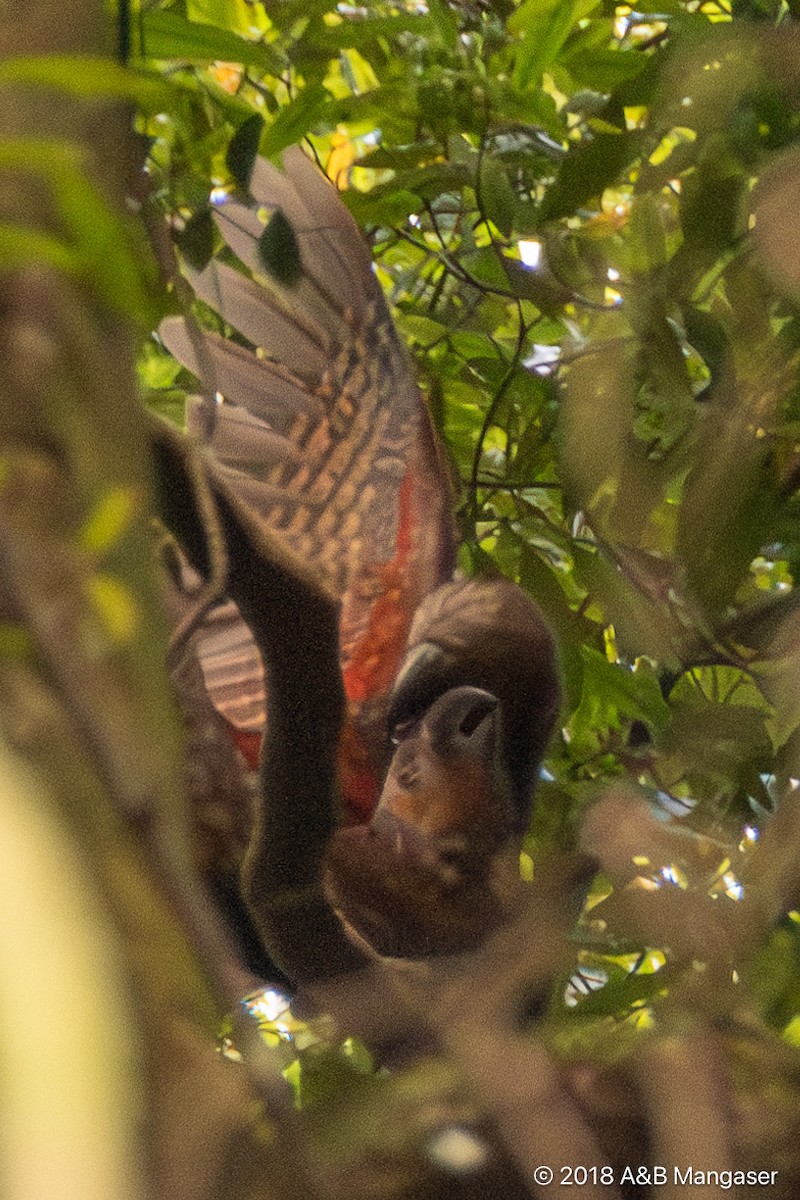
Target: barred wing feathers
(325, 434)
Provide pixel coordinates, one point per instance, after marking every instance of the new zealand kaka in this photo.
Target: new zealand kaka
(312, 423)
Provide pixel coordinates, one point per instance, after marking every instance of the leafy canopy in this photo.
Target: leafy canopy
(582, 216)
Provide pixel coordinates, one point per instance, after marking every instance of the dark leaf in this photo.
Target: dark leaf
(497, 194)
(196, 239)
(588, 170)
(243, 148)
(279, 250)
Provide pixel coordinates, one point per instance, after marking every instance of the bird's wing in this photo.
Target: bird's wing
(313, 417)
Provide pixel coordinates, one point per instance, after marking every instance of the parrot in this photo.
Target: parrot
(312, 429)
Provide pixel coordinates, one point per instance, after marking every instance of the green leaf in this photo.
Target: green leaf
(484, 266)
(419, 328)
(613, 695)
(279, 251)
(607, 473)
(84, 75)
(354, 34)
(605, 70)
(20, 246)
(157, 370)
(640, 596)
(243, 149)
(572, 630)
(588, 170)
(241, 17)
(623, 991)
(537, 284)
(731, 494)
(648, 239)
(715, 741)
(386, 205)
(544, 26)
(295, 120)
(774, 977)
(98, 245)
(708, 336)
(196, 239)
(435, 178)
(110, 519)
(712, 212)
(166, 35)
(497, 195)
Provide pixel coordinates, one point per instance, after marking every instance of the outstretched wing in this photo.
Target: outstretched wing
(314, 419)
